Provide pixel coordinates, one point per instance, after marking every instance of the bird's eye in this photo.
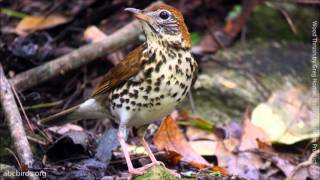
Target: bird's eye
(164, 15)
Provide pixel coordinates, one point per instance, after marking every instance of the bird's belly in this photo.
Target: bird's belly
(142, 105)
(149, 115)
(147, 106)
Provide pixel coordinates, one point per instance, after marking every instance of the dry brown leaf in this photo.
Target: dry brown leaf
(196, 134)
(244, 164)
(204, 148)
(170, 139)
(222, 170)
(32, 23)
(93, 34)
(287, 117)
(251, 134)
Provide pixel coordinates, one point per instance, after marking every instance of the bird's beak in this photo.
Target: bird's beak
(139, 14)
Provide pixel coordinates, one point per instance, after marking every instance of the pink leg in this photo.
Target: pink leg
(151, 155)
(153, 159)
(124, 147)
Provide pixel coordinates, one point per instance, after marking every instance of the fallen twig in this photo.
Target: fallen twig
(307, 168)
(14, 122)
(77, 58)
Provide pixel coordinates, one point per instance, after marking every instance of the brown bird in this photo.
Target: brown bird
(147, 84)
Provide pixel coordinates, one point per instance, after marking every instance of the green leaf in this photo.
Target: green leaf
(12, 13)
(236, 11)
(195, 38)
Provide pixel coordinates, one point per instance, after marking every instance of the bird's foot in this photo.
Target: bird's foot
(136, 171)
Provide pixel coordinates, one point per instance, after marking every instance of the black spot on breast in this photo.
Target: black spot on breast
(148, 89)
(157, 69)
(139, 105)
(128, 107)
(158, 82)
(168, 82)
(164, 59)
(158, 104)
(135, 83)
(119, 105)
(178, 70)
(149, 81)
(148, 72)
(145, 97)
(115, 96)
(144, 62)
(182, 85)
(124, 92)
(188, 76)
(172, 54)
(180, 55)
(161, 96)
(184, 91)
(156, 89)
(127, 100)
(185, 48)
(133, 95)
(141, 88)
(152, 56)
(121, 100)
(170, 67)
(188, 59)
(174, 95)
(133, 103)
(192, 66)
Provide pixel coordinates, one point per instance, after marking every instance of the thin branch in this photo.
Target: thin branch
(14, 122)
(22, 109)
(77, 58)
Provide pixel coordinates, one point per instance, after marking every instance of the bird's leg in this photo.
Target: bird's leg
(124, 146)
(154, 161)
(151, 155)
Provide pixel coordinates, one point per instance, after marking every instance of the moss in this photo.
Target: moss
(156, 173)
(268, 22)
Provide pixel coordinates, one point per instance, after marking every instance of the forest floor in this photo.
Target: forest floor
(251, 114)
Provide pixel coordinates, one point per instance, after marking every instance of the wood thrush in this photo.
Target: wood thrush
(147, 84)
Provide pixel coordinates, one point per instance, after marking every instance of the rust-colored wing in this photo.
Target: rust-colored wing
(128, 67)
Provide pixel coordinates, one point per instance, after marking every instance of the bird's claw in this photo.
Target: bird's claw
(136, 171)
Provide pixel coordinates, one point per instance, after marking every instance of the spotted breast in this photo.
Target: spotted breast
(154, 92)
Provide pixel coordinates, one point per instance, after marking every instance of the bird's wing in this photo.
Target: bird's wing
(128, 67)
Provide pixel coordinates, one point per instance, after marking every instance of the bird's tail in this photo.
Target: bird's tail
(61, 118)
(90, 109)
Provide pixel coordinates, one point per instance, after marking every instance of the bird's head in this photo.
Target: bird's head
(164, 23)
